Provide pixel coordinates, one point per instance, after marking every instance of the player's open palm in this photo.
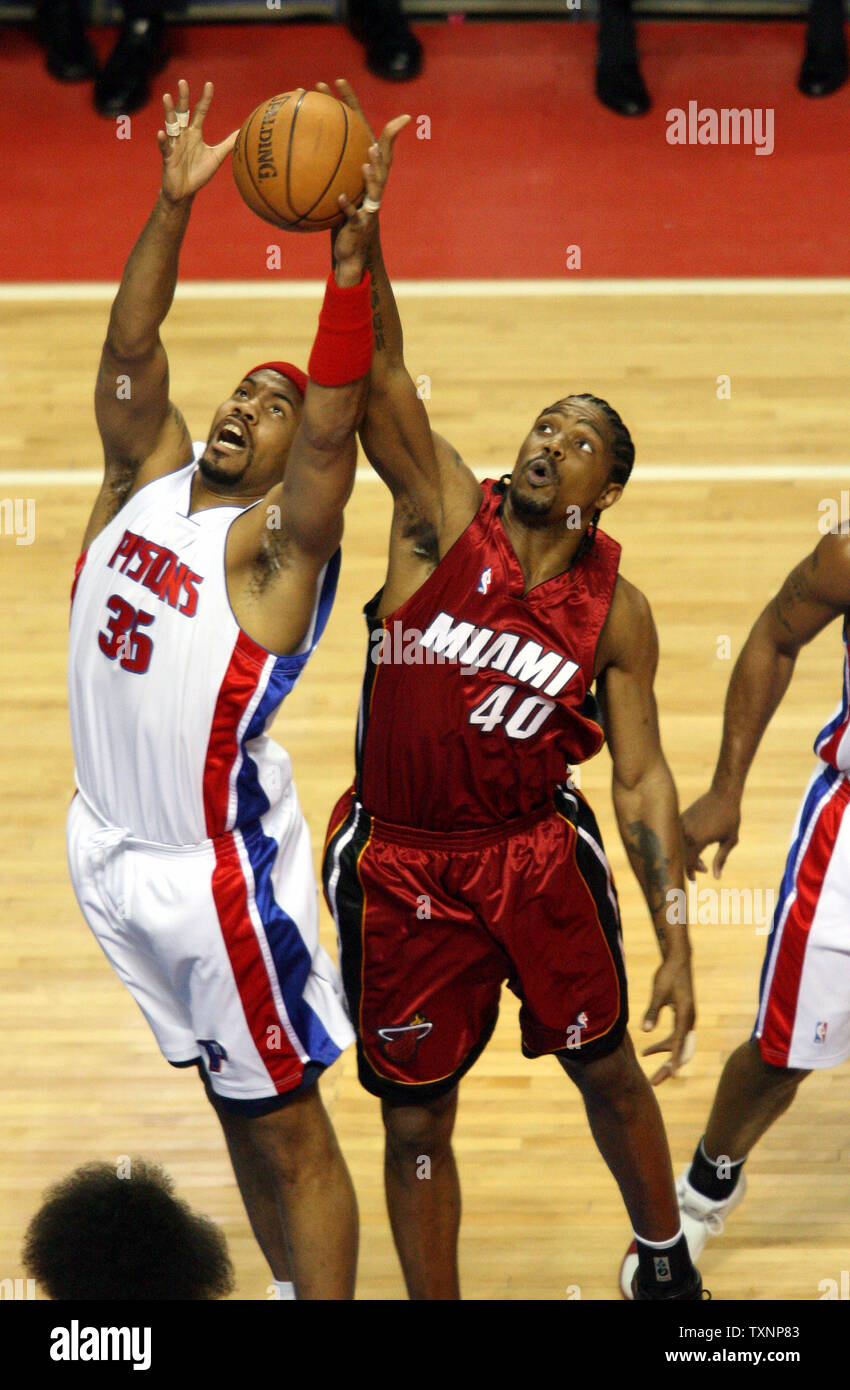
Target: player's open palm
(711, 819)
(187, 163)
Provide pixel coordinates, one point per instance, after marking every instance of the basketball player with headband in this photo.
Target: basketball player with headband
(206, 577)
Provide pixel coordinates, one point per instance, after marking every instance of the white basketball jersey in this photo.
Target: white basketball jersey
(169, 698)
(833, 742)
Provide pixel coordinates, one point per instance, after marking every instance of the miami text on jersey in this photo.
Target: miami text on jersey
(476, 647)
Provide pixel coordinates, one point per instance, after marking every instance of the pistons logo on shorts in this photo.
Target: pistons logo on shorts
(401, 1044)
(215, 1053)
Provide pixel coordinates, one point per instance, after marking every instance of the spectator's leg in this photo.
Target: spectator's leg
(124, 85)
(61, 31)
(825, 66)
(618, 80)
(392, 50)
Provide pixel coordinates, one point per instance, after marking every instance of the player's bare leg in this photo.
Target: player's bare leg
(423, 1199)
(315, 1196)
(626, 1124)
(751, 1095)
(258, 1194)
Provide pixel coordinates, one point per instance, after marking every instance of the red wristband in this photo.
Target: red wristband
(342, 352)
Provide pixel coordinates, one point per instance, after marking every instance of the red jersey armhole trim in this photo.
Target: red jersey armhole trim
(78, 568)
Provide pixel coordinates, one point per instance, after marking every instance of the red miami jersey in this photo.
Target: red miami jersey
(477, 696)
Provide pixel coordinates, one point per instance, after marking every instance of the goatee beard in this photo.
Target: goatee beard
(220, 477)
(533, 511)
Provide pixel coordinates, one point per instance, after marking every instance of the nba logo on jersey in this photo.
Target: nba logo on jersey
(581, 1021)
(662, 1269)
(820, 1033)
(485, 581)
(215, 1053)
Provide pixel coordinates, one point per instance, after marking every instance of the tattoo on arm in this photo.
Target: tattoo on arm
(177, 417)
(380, 340)
(799, 593)
(652, 867)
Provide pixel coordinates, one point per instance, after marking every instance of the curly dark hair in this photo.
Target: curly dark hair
(621, 441)
(100, 1236)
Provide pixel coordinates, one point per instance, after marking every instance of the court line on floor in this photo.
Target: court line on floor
(646, 473)
(442, 289)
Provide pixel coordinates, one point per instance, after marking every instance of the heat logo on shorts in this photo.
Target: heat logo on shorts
(401, 1044)
(820, 1033)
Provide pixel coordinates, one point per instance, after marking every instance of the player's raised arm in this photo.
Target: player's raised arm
(320, 468)
(815, 593)
(298, 524)
(415, 463)
(143, 434)
(646, 805)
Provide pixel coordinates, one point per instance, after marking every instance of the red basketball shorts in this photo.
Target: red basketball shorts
(430, 925)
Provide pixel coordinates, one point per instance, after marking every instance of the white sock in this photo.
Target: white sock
(715, 1162)
(658, 1244)
(285, 1291)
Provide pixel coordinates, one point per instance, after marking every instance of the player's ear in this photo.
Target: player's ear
(611, 493)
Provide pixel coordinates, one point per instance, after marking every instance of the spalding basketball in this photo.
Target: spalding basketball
(294, 156)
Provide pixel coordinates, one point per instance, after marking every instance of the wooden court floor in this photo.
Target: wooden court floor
(82, 1077)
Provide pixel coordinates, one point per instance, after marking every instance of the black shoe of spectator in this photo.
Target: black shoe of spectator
(621, 87)
(392, 50)
(124, 85)
(61, 31)
(825, 67)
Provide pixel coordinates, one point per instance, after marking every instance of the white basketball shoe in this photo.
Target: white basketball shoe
(701, 1218)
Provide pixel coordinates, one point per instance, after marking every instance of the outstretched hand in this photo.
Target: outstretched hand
(347, 95)
(187, 163)
(351, 240)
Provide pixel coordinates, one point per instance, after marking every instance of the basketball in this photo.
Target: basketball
(296, 154)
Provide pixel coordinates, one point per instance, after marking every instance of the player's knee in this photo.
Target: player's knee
(415, 1132)
(236, 1129)
(617, 1078)
(295, 1139)
(778, 1080)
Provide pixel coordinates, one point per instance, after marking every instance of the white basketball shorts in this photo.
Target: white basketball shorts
(218, 944)
(804, 995)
